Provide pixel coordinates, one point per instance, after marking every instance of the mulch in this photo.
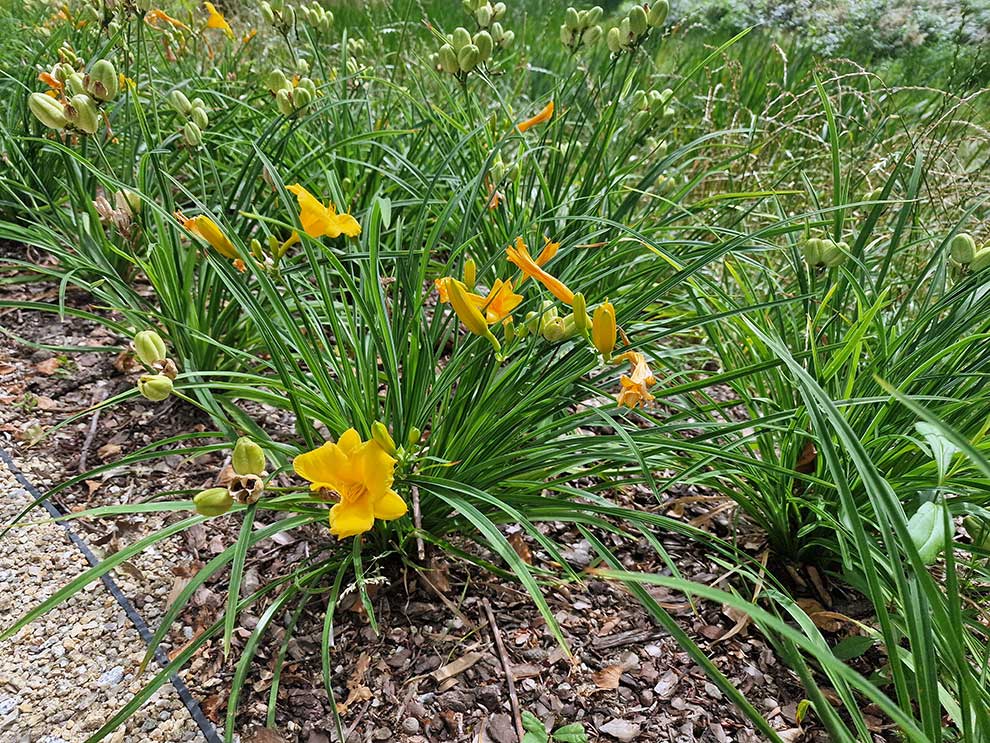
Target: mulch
(434, 671)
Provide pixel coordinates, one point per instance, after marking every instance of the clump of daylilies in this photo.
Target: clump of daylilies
(150, 350)
(76, 98)
(480, 312)
(193, 114)
(635, 28)
(580, 28)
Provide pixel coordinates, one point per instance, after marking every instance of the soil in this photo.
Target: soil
(434, 671)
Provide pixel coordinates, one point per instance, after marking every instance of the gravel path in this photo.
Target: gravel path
(64, 675)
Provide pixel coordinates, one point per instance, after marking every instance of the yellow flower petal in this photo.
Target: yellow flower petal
(390, 506)
(325, 467)
(349, 441)
(318, 220)
(519, 256)
(216, 20)
(351, 519)
(542, 116)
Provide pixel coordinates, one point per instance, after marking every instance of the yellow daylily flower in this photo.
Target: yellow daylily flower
(635, 387)
(603, 329)
(519, 256)
(206, 228)
(542, 116)
(216, 20)
(495, 307)
(153, 16)
(466, 306)
(318, 220)
(361, 473)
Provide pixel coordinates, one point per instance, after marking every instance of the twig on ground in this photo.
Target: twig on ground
(418, 523)
(507, 667)
(99, 395)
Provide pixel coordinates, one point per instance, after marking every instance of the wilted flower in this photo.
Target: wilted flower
(361, 473)
(636, 386)
(519, 256)
(206, 228)
(318, 220)
(542, 116)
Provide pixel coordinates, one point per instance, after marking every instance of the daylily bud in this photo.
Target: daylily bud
(448, 59)
(483, 15)
(461, 38)
(613, 39)
(213, 502)
(812, 249)
(603, 332)
(833, 253)
(289, 16)
(267, 13)
(483, 40)
(470, 273)
(247, 489)
(507, 38)
(47, 110)
(469, 313)
(177, 100)
(102, 81)
(658, 13)
(468, 57)
(591, 35)
(595, 14)
(498, 11)
(963, 248)
(200, 117)
(248, 458)
(283, 99)
(192, 134)
(82, 114)
(277, 81)
(980, 261)
(149, 347)
(571, 19)
(638, 21)
(381, 436)
(155, 387)
(553, 329)
(301, 97)
(414, 436)
(579, 311)
(509, 329)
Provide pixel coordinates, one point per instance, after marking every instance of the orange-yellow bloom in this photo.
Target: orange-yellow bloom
(519, 256)
(216, 20)
(542, 116)
(468, 309)
(636, 386)
(495, 307)
(318, 220)
(152, 17)
(361, 473)
(206, 228)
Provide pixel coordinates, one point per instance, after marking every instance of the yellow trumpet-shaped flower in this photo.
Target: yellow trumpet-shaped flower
(216, 20)
(466, 306)
(361, 473)
(603, 329)
(207, 229)
(636, 386)
(519, 256)
(318, 220)
(154, 16)
(495, 307)
(542, 116)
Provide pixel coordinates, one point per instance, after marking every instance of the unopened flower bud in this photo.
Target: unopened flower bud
(149, 347)
(75, 84)
(155, 387)
(553, 329)
(267, 13)
(571, 19)
(498, 11)
(102, 81)
(82, 114)
(962, 248)
(980, 261)
(483, 15)
(381, 436)
(177, 100)
(448, 59)
(591, 35)
(199, 117)
(614, 40)
(192, 134)
(301, 97)
(213, 502)
(638, 21)
(283, 99)
(468, 57)
(470, 273)
(603, 331)
(658, 13)
(47, 110)
(248, 458)
(483, 40)
(595, 14)
(579, 308)
(461, 38)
